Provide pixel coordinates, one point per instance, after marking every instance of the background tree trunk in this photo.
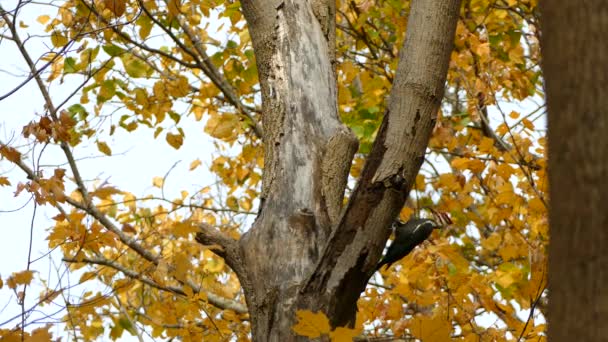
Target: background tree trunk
(304, 251)
(575, 65)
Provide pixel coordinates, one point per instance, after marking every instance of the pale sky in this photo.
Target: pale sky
(137, 159)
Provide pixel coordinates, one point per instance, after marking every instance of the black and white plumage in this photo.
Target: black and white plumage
(408, 235)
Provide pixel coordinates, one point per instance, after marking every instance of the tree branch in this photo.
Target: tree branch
(356, 244)
(215, 300)
(217, 78)
(228, 247)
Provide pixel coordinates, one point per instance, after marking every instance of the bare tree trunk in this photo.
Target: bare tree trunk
(304, 250)
(575, 65)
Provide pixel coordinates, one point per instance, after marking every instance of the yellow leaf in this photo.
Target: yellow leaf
(514, 115)
(492, 242)
(175, 140)
(342, 334)
(509, 252)
(20, 278)
(436, 328)
(460, 163)
(406, 213)
(449, 181)
(485, 145)
(245, 203)
(222, 126)
(48, 295)
(198, 112)
(232, 203)
(196, 163)
(476, 165)
(183, 229)
(173, 6)
(214, 265)
(535, 204)
(502, 129)
(505, 171)
(241, 173)
(129, 200)
(504, 279)
(106, 192)
(420, 182)
(158, 182)
(43, 19)
(483, 49)
(40, 335)
(181, 267)
(58, 39)
(527, 123)
(4, 181)
(104, 148)
(507, 197)
(311, 324)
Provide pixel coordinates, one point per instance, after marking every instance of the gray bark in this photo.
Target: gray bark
(575, 66)
(304, 250)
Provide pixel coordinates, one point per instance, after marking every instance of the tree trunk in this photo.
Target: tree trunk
(304, 250)
(575, 65)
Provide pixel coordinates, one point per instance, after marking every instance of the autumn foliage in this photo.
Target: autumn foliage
(157, 66)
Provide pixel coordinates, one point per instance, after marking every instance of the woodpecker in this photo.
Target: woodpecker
(408, 235)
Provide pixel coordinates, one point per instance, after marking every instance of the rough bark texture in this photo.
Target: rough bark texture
(575, 65)
(304, 250)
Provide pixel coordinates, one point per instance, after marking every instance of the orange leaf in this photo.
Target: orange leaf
(10, 153)
(117, 7)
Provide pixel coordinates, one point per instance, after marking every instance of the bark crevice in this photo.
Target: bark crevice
(305, 251)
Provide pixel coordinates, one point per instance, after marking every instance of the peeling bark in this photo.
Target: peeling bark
(304, 250)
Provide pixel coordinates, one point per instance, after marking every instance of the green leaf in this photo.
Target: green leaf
(113, 50)
(106, 91)
(135, 67)
(78, 109)
(70, 66)
(145, 26)
(174, 116)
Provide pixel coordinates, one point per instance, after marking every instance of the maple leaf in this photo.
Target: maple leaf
(311, 324)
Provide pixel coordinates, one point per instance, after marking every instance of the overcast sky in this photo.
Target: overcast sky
(137, 159)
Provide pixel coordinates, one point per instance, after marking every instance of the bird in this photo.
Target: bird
(408, 235)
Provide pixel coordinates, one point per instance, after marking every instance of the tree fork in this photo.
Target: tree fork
(304, 251)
